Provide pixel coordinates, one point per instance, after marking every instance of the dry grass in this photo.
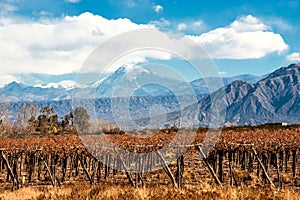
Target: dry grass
(23, 193)
(127, 192)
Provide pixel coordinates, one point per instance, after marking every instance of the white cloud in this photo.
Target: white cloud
(198, 23)
(191, 26)
(245, 38)
(182, 27)
(247, 24)
(294, 57)
(187, 26)
(61, 45)
(158, 8)
(6, 8)
(55, 46)
(162, 22)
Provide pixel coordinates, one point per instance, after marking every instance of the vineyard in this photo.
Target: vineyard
(258, 156)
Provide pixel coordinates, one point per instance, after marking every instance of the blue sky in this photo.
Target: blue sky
(56, 36)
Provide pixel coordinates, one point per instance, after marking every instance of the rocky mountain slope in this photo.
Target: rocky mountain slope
(274, 99)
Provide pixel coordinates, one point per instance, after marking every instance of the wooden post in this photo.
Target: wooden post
(64, 162)
(15, 170)
(49, 172)
(250, 162)
(180, 169)
(94, 169)
(76, 164)
(243, 160)
(166, 168)
(99, 171)
(136, 173)
(264, 161)
(126, 171)
(141, 170)
(71, 166)
(55, 161)
(150, 166)
(278, 171)
(232, 176)
(287, 157)
(86, 172)
(10, 172)
(203, 156)
(281, 158)
(263, 168)
(294, 165)
(106, 167)
(31, 166)
(221, 154)
(39, 168)
(21, 162)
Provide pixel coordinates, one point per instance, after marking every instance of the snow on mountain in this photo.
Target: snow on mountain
(275, 98)
(96, 83)
(125, 81)
(136, 81)
(66, 84)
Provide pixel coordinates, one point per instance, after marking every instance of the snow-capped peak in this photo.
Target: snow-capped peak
(66, 84)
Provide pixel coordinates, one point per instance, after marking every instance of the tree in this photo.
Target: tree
(48, 120)
(25, 122)
(81, 119)
(67, 121)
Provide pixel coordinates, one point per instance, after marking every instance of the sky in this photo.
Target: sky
(57, 36)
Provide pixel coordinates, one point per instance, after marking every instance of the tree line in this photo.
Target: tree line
(32, 120)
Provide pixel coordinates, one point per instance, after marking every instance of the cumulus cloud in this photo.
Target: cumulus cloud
(55, 46)
(158, 8)
(245, 38)
(294, 57)
(61, 45)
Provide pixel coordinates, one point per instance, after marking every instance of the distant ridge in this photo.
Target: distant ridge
(274, 99)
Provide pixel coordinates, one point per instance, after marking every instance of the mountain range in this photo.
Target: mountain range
(244, 100)
(273, 99)
(115, 84)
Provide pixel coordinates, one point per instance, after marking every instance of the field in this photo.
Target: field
(127, 192)
(245, 163)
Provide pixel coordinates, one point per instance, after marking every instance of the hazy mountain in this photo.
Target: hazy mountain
(19, 92)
